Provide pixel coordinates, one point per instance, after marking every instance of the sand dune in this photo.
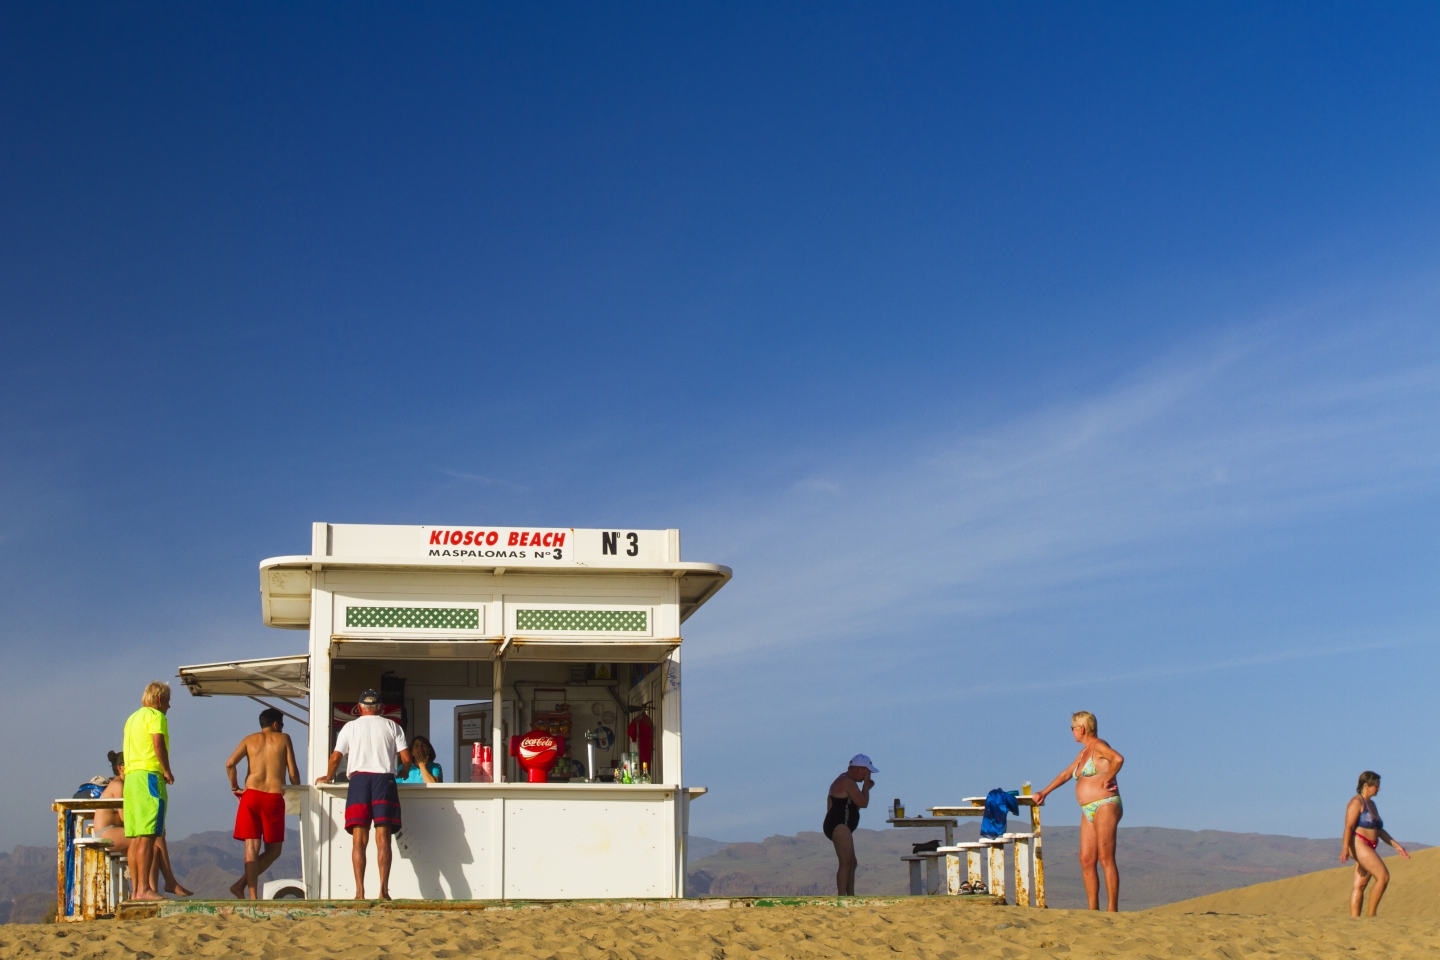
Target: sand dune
(920, 927)
(1414, 893)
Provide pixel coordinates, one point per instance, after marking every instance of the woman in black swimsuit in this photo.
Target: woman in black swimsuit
(842, 816)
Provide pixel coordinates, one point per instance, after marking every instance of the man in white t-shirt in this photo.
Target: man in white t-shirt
(372, 744)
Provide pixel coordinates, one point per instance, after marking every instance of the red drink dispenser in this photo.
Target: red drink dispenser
(537, 753)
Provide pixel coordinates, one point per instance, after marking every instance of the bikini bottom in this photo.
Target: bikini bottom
(1089, 808)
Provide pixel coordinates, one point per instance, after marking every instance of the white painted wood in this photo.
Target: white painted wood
(917, 884)
(499, 749)
(1022, 871)
(996, 883)
(617, 846)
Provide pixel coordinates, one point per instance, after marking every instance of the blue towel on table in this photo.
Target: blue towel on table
(998, 804)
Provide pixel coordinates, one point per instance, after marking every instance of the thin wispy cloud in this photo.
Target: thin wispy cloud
(1245, 433)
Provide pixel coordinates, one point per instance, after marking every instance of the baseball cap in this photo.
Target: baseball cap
(369, 698)
(860, 760)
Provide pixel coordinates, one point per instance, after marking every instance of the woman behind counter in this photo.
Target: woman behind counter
(1094, 771)
(1363, 823)
(424, 769)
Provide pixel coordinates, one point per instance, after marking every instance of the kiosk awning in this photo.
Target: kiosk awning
(591, 651)
(273, 677)
(285, 582)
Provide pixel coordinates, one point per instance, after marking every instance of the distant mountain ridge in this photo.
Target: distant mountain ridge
(1157, 865)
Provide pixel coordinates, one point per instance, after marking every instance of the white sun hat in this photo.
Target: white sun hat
(860, 760)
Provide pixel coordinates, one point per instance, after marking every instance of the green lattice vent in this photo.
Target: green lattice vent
(413, 618)
(586, 621)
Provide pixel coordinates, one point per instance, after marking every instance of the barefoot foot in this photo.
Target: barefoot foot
(237, 889)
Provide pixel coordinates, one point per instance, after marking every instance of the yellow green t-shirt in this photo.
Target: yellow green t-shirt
(139, 748)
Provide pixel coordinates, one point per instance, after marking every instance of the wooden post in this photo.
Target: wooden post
(499, 750)
(1039, 856)
(61, 816)
(997, 870)
(1022, 871)
(92, 886)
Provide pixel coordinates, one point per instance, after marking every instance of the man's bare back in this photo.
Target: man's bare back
(271, 755)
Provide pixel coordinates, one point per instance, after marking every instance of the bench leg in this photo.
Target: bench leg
(917, 886)
(972, 867)
(997, 870)
(1022, 873)
(952, 874)
(932, 876)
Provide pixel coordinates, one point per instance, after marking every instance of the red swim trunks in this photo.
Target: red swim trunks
(261, 815)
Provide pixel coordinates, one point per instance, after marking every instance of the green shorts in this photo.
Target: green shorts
(144, 804)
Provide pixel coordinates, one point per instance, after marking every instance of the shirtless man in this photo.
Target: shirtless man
(110, 825)
(271, 756)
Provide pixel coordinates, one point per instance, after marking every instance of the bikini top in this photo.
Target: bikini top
(1369, 816)
(1088, 770)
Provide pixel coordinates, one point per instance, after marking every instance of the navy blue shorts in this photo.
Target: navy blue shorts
(372, 797)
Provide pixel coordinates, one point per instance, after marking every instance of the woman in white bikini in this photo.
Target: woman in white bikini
(1363, 824)
(1094, 772)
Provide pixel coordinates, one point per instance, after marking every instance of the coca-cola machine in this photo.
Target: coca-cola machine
(474, 724)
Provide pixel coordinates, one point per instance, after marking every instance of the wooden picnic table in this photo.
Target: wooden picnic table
(975, 807)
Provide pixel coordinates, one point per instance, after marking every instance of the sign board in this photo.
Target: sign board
(475, 727)
(561, 546)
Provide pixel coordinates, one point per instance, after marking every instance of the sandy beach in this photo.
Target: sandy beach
(1414, 893)
(913, 928)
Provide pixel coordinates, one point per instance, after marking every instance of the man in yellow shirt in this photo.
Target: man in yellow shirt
(147, 772)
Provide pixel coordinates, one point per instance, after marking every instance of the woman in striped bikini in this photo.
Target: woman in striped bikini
(1363, 832)
(1094, 772)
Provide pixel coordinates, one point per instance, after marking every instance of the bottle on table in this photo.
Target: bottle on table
(899, 809)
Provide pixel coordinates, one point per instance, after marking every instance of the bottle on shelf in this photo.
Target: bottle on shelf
(644, 773)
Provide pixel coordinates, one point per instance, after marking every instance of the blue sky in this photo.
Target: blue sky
(1019, 360)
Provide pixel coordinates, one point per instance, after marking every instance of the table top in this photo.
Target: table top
(975, 806)
(923, 822)
(99, 803)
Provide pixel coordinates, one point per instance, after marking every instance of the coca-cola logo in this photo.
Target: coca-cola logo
(538, 743)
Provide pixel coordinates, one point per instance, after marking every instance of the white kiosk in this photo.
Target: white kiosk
(561, 628)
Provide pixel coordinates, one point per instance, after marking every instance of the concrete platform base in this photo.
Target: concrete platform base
(296, 909)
